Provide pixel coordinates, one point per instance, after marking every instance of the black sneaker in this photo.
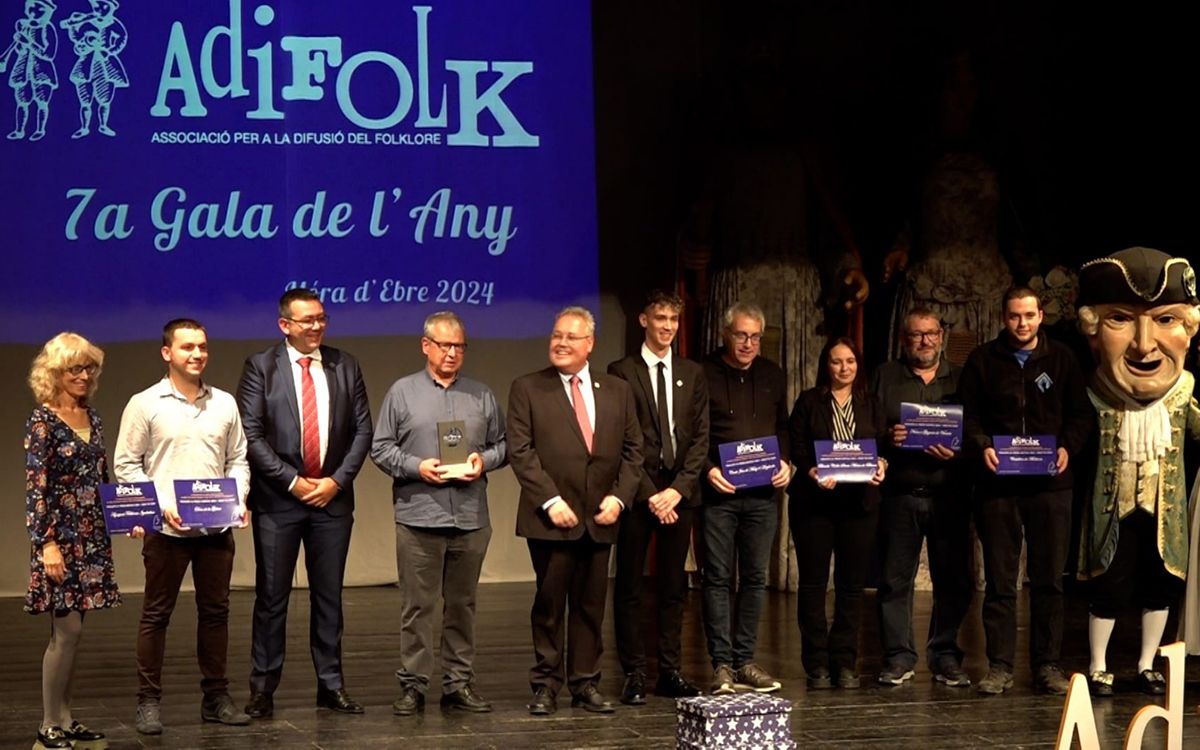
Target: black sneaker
(998, 680)
(895, 676)
(1051, 680)
(819, 679)
(952, 675)
(220, 709)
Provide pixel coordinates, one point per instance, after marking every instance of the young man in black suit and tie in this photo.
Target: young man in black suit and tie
(575, 446)
(671, 395)
(308, 429)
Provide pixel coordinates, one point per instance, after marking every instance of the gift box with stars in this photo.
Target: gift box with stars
(745, 720)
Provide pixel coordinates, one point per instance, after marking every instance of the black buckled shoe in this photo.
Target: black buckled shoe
(466, 699)
(543, 702)
(52, 738)
(338, 700)
(590, 699)
(672, 684)
(634, 691)
(1151, 682)
(261, 706)
(83, 738)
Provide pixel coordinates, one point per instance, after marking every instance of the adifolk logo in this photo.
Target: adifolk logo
(744, 448)
(1026, 442)
(201, 486)
(124, 490)
(930, 411)
(839, 445)
(317, 63)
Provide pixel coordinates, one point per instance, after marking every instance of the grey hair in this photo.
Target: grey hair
(747, 309)
(1089, 320)
(584, 314)
(448, 317)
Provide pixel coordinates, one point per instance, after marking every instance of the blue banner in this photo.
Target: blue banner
(200, 158)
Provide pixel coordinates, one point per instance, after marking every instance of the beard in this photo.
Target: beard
(921, 360)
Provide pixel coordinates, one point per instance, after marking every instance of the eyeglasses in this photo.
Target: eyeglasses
(918, 336)
(570, 338)
(446, 346)
(310, 323)
(77, 370)
(742, 337)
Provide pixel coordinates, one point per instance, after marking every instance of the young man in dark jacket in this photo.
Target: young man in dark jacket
(1024, 384)
(747, 399)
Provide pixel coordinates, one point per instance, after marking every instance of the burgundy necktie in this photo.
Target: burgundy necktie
(310, 432)
(581, 412)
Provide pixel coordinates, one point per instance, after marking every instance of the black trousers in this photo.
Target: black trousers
(822, 531)
(1136, 573)
(1046, 519)
(277, 540)
(572, 586)
(638, 526)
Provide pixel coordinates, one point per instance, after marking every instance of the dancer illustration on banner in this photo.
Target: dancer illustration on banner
(29, 61)
(98, 38)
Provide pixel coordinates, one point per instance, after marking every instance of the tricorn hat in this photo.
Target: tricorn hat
(1137, 275)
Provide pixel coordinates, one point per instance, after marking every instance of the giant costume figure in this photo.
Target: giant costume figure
(1139, 310)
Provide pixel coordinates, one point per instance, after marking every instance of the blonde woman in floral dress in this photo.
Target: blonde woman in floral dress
(71, 567)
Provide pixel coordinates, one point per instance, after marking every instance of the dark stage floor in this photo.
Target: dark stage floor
(916, 715)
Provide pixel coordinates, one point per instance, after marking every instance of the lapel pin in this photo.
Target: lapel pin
(679, 383)
(596, 385)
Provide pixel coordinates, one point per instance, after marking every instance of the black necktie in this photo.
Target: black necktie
(664, 419)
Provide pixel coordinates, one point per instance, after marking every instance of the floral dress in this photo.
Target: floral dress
(63, 474)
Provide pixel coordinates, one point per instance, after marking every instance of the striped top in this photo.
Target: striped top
(843, 419)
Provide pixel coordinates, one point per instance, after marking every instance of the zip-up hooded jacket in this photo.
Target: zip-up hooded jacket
(1047, 396)
(744, 404)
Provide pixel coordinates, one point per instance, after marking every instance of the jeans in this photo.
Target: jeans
(943, 521)
(737, 530)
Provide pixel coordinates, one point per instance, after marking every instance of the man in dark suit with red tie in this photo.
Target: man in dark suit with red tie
(308, 431)
(671, 394)
(575, 447)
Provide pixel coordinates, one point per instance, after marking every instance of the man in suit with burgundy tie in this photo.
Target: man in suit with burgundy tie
(575, 447)
(308, 431)
(671, 394)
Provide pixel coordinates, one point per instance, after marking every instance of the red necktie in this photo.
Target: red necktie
(581, 412)
(310, 433)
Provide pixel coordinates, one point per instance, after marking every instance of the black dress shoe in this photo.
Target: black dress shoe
(466, 699)
(338, 700)
(543, 703)
(261, 706)
(80, 735)
(634, 692)
(590, 699)
(52, 738)
(410, 701)
(674, 685)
